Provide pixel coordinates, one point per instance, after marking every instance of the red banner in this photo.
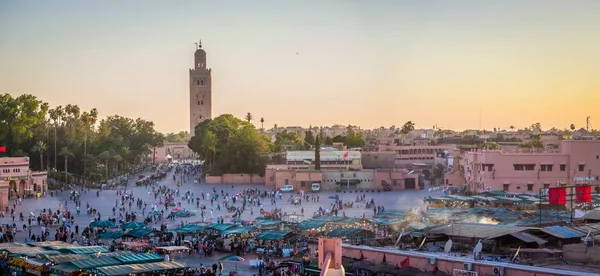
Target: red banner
(584, 194)
(3, 149)
(557, 195)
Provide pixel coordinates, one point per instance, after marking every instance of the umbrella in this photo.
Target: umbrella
(103, 224)
(235, 259)
(110, 235)
(133, 225)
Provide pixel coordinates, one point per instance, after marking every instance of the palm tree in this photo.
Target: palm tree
(66, 153)
(249, 117)
(572, 127)
(512, 127)
(262, 123)
(40, 148)
(105, 157)
(117, 158)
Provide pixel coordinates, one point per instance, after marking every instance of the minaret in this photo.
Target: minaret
(200, 89)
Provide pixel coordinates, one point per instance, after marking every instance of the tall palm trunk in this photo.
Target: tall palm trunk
(84, 158)
(55, 151)
(41, 160)
(66, 173)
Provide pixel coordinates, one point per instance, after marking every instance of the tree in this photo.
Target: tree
(309, 138)
(249, 117)
(354, 140)
(262, 123)
(225, 139)
(66, 153)
(328, 141)
(18, 120)
(407, 128)
(512, 127)
(318, 152)
(537, 127)
(180, 137)
(40, 148)
(105, 157)
(535, 143)
(572, 127)
(32, 121)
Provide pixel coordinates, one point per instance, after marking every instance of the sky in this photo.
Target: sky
(454, 64)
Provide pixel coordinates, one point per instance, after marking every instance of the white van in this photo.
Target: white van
(315, 187)
(287, 188)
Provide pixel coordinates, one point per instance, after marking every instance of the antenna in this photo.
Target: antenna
(480, 119)
(448, 246)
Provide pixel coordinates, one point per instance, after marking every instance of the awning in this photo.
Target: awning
(139, 258)
(351, 232)
(238, 230)
(139, 268)
(95, 262)
(274, 235)
(220, 226)
(85, 250)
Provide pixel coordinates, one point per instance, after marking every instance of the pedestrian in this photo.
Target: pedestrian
(220, 267)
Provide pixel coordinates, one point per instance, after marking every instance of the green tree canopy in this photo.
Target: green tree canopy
(29, 127)
(231, 145)
(179, 137)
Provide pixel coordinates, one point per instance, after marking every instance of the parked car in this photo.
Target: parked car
(287, 189)
(315, 187)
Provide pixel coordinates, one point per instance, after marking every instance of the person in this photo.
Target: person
(220, 267)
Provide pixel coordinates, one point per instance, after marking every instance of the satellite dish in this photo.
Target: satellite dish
(448, 246)
(477, 250)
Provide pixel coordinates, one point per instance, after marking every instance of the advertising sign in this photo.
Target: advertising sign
(462, 272)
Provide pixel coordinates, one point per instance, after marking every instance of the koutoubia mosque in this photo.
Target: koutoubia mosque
(200, 106)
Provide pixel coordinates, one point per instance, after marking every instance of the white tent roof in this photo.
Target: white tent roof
(169, 156)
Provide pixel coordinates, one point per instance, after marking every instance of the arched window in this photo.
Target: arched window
(202, 82)
(198, 82)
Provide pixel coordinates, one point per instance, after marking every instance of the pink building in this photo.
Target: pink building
(575, 162)
(16, 179)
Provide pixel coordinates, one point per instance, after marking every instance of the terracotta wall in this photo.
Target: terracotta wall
(444, 263)
(235, 179)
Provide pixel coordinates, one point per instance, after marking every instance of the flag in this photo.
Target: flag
(346, 155)
(557, 195)
(3, 149)
(406, 262)
(583, 194)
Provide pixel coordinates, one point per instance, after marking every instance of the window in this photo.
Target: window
(202, 82)
(546, 168)
(524, 167)
(546, 186)
(198, 102)
(197, 82)
(505, 187)
(581, 167)
(488, 167)
(201, 102)
(563, 167)
(529, 187)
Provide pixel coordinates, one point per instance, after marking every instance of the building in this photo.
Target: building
(200, 90)
(575, 162)
(339, 170)
(17, 179)
(330, 180)
(172, 151)
(200, 109)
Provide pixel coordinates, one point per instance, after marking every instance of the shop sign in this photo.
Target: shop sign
(461, 272)
(583, 179)
(15, 178)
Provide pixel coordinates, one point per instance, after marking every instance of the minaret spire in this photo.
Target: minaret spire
(200, 44)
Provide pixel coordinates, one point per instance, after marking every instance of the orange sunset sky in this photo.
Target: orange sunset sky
(367, 63)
